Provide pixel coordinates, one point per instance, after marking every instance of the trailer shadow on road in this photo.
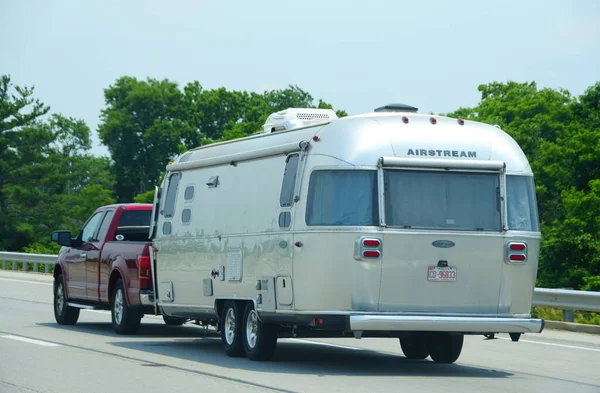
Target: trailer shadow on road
(192, 343)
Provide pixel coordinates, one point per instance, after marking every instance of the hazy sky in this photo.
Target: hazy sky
(356, 55)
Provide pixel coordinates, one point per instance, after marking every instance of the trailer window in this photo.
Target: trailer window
(521, 204)
(289, 180)
(342, 197)
(442, 200)
(169, 209)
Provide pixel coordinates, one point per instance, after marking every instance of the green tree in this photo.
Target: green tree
(560, 136)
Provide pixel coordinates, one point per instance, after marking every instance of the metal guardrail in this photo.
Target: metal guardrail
(563, 299)
(566, 299)
(25, 259)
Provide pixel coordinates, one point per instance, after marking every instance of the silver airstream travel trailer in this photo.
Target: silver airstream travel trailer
(385, 224)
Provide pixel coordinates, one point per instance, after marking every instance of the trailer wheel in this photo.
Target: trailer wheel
(125, 320)
(414, 347)
(260, 339)
(444, 347)
(64, 315)
(231, 329)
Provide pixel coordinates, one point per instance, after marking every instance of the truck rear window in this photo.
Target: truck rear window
(134, 225)
(442, 200)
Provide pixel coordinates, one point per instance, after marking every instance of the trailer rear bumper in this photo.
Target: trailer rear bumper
(393, 323)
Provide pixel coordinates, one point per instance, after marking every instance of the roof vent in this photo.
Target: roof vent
(396, 108)
(297, 117)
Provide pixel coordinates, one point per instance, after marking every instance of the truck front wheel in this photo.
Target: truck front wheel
(64, 315)
(260, 339)
(125, 320)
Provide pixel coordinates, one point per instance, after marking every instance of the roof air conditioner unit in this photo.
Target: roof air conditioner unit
(297, 117)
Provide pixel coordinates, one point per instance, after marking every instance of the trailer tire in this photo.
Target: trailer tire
(444, 347)
(173, 321)
(125, 320)
(231, 329)
(64, 315)
(260, 339)
(414, 347)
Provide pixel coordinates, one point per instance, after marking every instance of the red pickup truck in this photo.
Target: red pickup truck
(107, 266)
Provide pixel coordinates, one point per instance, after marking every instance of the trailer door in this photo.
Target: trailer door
(443, 244)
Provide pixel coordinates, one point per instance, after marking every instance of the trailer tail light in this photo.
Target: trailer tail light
(371, 243)
(461, 122)
(371, 254)
(405, 119)
(516, 252)
(143, 263)
(517, 246)
(518, 257)
(367, 248)
(433, 120)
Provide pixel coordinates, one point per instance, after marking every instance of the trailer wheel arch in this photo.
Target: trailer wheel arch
(220, 302)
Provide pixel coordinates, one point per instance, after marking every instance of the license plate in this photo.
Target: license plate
(441, 273)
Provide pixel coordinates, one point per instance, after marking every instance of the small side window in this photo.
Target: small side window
(285, 219)
(189, 193)
(166, 228)
(289, 180)
(186, 215)
(169, 209)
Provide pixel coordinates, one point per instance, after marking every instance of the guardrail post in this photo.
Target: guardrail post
(568, 314)
(4, 265)
(25, 267)
(14, 265)
(46, 268)
(35, 267)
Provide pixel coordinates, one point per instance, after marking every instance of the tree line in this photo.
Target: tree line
(49, 179)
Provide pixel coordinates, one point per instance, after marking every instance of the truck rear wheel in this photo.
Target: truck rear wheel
(231, 329)
(444, 347)
(64, 315)
(260, 339)
(414, 346)
(125, 320)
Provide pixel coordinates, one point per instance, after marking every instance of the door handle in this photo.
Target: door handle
(83, 255)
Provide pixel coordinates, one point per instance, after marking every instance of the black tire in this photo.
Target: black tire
(125, 320)
(64, 315)
(414, 347)
(261, 342)
(173, 321)
(444, 347)
(231, 329)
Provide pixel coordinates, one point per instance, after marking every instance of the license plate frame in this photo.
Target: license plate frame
(442, 274)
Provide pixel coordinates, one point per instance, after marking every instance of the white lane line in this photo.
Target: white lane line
(555, 345)
(31, 341)
(324, 344)
(29, 282)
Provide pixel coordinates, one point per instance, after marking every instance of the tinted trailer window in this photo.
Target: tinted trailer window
(442, 200)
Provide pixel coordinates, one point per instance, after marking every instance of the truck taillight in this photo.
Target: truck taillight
(143, 263)
(516, 252)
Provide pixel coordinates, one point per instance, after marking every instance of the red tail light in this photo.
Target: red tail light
(516, 252)
(143, 263)
(371, 243)
(517, 246)
(371, 254)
